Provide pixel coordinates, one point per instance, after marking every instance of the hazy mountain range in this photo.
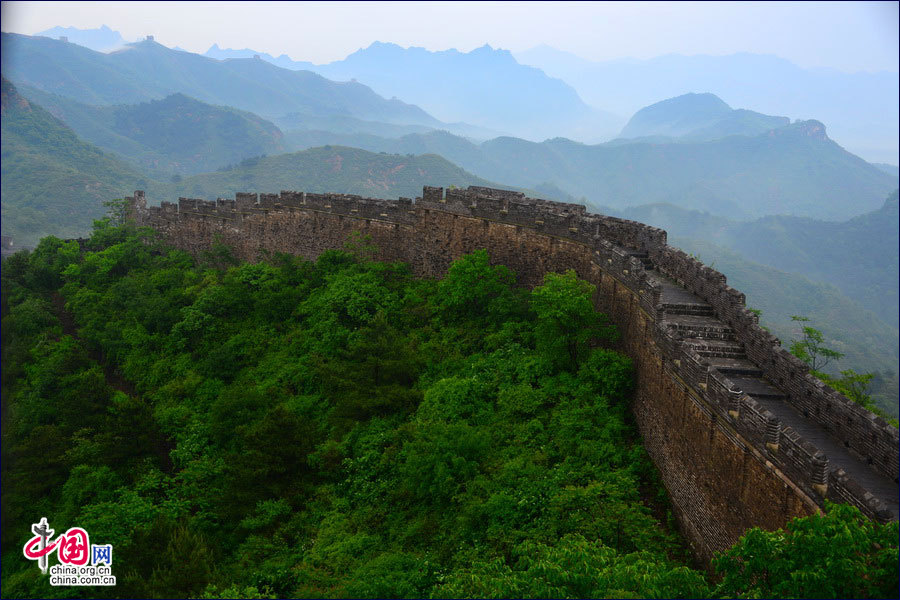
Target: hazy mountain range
(794, 169)
(861, 109)
(102, 39)
(52, 183)
(720, 179)
(698, 117)
(149, 71)
(485, 87)
(175, 135)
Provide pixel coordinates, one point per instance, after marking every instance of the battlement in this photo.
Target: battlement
(815, 440)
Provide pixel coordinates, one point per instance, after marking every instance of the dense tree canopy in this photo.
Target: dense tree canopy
(340, 428)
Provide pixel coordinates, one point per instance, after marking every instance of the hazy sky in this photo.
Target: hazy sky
(850, 36)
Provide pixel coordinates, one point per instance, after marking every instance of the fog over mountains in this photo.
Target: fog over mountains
(485, 87)
(860, 109)
(102, 39)
(794, 169)
(149, 71)
(757, 181)
(698, 117)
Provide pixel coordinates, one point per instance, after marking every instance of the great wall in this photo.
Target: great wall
(740, 431)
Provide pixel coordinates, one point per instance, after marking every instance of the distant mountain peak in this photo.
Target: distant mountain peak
(703, 100)
(677, 116)
(815, 129)
(383, 47)
(101, 39)
(703, 117)
(811, 129)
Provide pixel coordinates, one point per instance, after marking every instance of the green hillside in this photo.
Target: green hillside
(327, 169)
(859, 256)
(793, 170)
(52, 182)
(55, 184)
(174, 135)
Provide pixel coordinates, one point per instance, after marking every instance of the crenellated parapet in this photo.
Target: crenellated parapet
(742, 434)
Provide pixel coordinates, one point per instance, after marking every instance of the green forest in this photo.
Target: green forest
(340, 428)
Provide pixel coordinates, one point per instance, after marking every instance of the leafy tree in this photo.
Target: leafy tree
(374, 375)
(855, 386)
(566, 319)
(811, 348)
(116, 212)
(841, 554)
(852, 384)
(473, 289)
(574, 568)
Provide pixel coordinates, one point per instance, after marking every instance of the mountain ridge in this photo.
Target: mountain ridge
(522, 99)
(53, 183)
(174, 135)
(804, 172)
(148, 71)
(860, 108)
(698, 117)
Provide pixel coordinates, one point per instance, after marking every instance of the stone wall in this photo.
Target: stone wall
(727, 462)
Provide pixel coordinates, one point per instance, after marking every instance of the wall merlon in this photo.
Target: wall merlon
(843, 488)
(456, 196)
(244, 202)
(433, 194)
(268, 201)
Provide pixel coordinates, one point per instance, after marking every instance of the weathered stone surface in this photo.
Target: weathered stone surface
(727, 460)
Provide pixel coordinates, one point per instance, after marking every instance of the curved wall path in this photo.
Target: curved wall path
(742, 435)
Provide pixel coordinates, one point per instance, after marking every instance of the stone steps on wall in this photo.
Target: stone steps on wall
(681, 308)
(644, 258)
(716, 348)
(757, 387)
(696, 326)
(735, 366)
